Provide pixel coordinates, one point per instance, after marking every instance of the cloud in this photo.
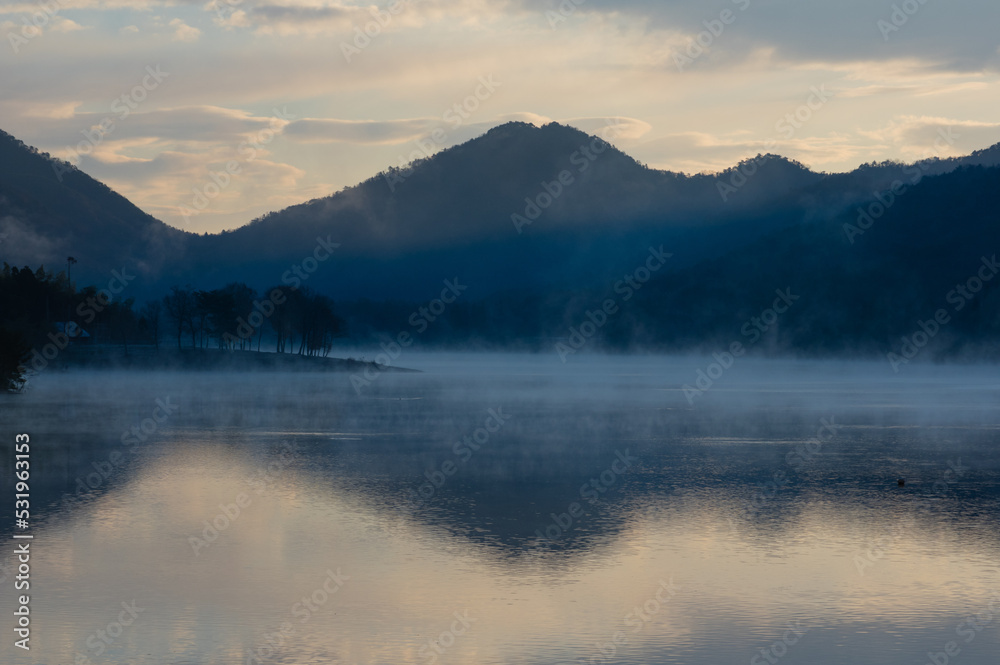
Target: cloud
(346, 19)
(905, 138)
(305, 13)
(364, 132)
(43, 110)
(64, 25)
(958, 35)
(56, 6)
(438, 133)
(624, 128)
(28, 30)
(184, 32)
(918, 137)
(185, 125)
(699, 152)
(394, 132)
(172, 181)
(296, 18)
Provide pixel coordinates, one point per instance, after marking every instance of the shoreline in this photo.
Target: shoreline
(144, 358)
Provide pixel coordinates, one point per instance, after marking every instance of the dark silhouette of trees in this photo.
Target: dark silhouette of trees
(124, 324)
(179, 305)
(218, 311)
(308, 319)
(319, 326)
(225, 312)
(150, 321)
(14, 350)
(243, 298)
(304, 323)
(41, 315)
(281, 323)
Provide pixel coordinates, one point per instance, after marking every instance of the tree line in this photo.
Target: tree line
(235, 318)
(42, 313)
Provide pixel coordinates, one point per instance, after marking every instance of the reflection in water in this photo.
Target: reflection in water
(298, 522)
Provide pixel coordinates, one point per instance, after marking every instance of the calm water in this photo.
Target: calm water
(370, 531)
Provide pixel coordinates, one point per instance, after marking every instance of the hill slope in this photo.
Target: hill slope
(49, 209)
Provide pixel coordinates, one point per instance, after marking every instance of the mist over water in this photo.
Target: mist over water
(499, 508)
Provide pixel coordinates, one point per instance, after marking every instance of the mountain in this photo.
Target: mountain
(494, 211)
(49, 210)
(469, 211)
(402, 232)
(541, 223)
(866, 279)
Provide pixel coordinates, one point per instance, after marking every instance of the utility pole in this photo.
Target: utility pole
(67, 327)
(69, 271)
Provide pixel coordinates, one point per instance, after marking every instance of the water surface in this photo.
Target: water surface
(765, 515)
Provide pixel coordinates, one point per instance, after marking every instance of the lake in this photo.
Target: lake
(503, 508)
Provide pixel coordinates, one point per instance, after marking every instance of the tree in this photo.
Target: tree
(179, 305)
(218, 308)
(123, 321)
(281, 319)
(310, 316)
(151, 315)
(243, 298)
(14, 350)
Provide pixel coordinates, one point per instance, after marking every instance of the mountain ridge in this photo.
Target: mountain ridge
(403, 230)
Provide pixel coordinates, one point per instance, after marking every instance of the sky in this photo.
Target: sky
(210, 113)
